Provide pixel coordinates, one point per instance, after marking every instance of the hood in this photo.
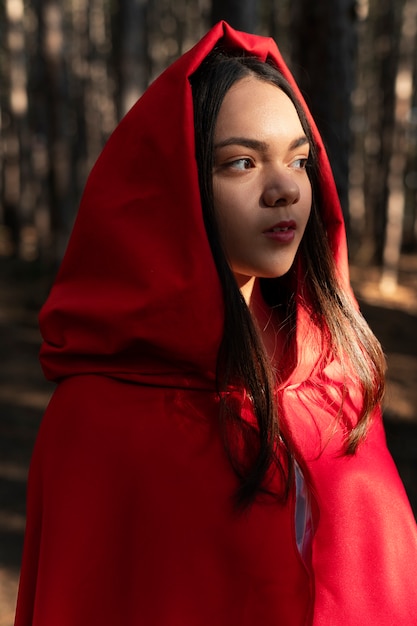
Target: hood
(137, 295)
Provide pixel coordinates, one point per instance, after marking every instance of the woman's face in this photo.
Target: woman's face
(262, 194)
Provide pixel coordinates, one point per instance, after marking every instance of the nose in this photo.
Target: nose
(280, 189)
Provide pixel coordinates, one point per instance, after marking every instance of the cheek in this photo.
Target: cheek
(228, 225)
(228, 211)
(307, 199)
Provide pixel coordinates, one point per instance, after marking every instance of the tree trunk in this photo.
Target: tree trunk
(133, 58)
(240, 14)
(99, 104)
(274, 21)
(54, 117)
(398, 160)
(323, 60)
(381, 112)
(17, 236)
(410, 224)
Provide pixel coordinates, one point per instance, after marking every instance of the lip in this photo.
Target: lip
(282, 232)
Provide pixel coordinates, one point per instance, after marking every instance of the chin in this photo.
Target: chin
(277, 273)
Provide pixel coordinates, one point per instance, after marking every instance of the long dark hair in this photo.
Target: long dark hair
(242, 360)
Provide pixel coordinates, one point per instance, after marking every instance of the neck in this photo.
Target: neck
(260, 311)
(247, 285)
(267, 319)
(251, 292)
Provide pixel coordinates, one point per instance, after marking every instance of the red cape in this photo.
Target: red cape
(129, 517)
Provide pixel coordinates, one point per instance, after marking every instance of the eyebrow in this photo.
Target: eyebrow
(255, 144)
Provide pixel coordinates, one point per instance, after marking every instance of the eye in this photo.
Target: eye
(300, 164)
(240, 164)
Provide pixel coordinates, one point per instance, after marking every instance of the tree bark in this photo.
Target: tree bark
(15, 136)
(133, 57)
(323, 60)
(398, 159)
(385, 22)
(240, 14)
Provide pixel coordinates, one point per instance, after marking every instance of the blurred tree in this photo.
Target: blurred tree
(324, 53)
(400, 147)
(379, 66)
(174, 26)
(410, 218)
(69, 69)
(99, 101)
(72, 110)
(410, 238)
(241, 14)
(132, 45)
(54, 114)
(14, 129)
(275, 22)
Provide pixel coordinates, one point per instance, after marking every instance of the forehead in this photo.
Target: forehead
(254, 106)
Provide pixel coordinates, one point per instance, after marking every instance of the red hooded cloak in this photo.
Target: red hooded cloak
(129, 517)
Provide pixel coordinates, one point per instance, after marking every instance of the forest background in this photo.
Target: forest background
(70, 69)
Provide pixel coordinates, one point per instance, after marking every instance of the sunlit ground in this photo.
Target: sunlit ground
(393, 317)
(367, 285)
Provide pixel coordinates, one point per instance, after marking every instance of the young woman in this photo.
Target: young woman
(214, 451)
